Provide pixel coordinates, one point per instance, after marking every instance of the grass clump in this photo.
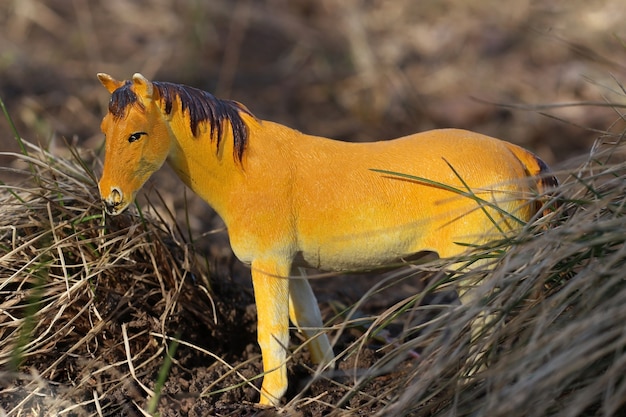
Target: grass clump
(81, 295)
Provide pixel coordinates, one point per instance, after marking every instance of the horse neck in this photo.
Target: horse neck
(208, 171)
(219, 178)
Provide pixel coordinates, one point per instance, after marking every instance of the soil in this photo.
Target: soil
(199, 385)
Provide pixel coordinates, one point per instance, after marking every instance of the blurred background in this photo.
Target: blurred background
(347, 69)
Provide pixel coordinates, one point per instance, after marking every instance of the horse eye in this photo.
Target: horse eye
(136, 136)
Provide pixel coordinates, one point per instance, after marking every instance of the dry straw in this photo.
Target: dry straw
(89, 304)
(77, 289)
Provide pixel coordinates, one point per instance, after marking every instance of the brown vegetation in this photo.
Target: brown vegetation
(92, 308)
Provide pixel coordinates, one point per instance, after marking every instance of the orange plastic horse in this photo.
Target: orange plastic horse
(292, 200)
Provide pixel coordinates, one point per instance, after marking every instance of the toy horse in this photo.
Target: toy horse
(293, 200)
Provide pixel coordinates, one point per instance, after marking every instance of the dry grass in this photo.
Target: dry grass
(89, 307)
(77, 289)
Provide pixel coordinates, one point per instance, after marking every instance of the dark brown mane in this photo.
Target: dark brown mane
(201, 105)
(121, 99)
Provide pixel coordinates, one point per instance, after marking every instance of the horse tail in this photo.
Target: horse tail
(539, 170)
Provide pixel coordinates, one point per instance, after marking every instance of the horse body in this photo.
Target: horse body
(290, 199)
(352, 216)
(319, 202)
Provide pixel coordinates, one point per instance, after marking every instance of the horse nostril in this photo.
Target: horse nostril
(113, 201)
(116, 196)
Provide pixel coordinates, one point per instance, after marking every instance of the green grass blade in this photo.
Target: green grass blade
(163, 373)
(16, 134)
(469, 193)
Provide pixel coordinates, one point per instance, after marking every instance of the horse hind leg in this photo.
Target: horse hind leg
(482, 325)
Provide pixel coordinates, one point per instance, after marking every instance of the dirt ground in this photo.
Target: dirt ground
(351, 70)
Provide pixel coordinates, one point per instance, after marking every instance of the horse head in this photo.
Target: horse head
(137, 140)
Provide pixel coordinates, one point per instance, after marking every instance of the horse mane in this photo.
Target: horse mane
(202, 107)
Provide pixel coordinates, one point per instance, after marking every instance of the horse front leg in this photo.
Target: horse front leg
(271, 292)
(305, 315)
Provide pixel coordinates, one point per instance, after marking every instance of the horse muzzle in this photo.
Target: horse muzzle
(114, 203)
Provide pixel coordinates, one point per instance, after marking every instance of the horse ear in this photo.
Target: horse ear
(109, 82)
(142, 86)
